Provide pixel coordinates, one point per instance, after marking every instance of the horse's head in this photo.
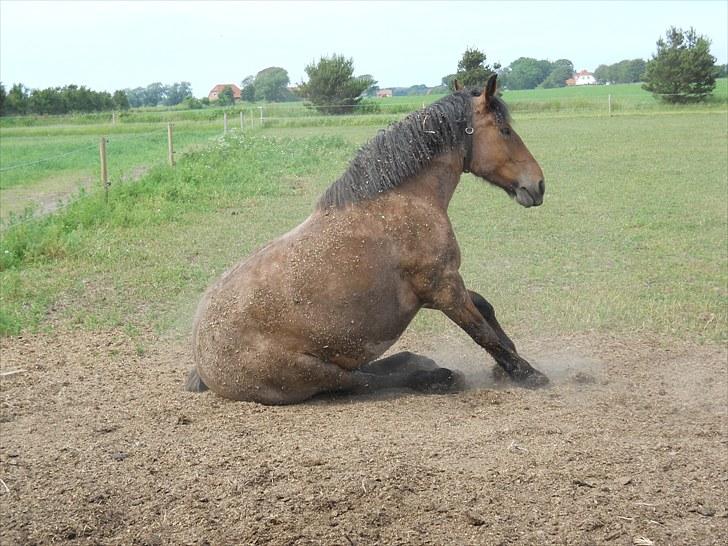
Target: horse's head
(495, 152)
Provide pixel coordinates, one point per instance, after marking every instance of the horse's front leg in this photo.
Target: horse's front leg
(475, 315)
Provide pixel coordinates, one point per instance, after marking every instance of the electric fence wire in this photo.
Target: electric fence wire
(45, 160)
(130, 136)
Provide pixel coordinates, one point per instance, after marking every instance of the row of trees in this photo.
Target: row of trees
(158, 93)
(627, 71)
(20, 100)
(529, 73)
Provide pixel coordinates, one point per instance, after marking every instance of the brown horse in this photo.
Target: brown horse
(313, 310)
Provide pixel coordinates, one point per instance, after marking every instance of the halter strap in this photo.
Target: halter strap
(468, 141)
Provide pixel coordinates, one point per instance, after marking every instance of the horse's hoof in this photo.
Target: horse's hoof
(534, 380)
(531, 379)
(499, 375)
(438, 381)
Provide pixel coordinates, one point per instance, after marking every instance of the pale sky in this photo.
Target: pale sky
(109, 45)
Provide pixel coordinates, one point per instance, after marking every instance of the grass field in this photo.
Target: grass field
(632, 236)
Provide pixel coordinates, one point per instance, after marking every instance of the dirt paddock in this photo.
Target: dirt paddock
(628, 446)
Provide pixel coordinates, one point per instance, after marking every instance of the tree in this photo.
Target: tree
(3, 94)
(226, 97)
(176, 93)
(472, 70)
(135, 96)
(447, 81)
(526, 73)
(121, 101)
(682, 70)
(154, 94)
(47, 101)
(17, 100)
(332, 87)
(561, 70)
(603, 73)
(247, 89)
(192, 103)
(271, 84)
(626, 71)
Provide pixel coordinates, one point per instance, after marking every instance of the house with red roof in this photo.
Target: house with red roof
(214, 93)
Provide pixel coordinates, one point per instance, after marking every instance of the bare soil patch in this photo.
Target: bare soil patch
(50, 194)
(628, 446)
(44, 196)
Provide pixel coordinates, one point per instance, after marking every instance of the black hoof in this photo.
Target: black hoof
(530, 379)
(437, 381)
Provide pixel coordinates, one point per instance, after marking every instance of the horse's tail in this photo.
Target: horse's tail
(194, 382)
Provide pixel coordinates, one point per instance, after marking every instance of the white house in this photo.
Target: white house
(584, 77)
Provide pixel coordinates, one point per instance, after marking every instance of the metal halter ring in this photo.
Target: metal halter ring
(469, 131)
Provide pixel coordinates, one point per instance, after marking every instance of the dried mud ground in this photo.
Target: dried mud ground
(629, 445)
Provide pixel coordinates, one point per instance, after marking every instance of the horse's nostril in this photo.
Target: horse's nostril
(541, 186)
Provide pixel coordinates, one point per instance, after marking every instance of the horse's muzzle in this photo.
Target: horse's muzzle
(531, 196)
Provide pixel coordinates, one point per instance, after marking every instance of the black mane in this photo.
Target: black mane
(406, 147)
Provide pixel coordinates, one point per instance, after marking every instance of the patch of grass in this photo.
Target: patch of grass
(24, 153)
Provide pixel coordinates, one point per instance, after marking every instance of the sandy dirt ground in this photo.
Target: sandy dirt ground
(628, 446)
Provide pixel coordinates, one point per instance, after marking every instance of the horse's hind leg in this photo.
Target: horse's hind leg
(403, 362)
(414, 371)
(307, 376)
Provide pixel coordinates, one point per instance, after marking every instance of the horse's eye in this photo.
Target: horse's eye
(505, 131)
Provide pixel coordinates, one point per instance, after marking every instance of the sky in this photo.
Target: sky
(109, 45)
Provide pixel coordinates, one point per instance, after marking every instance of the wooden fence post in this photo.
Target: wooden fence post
(241, 120)
(224, 122)
(170, 145)
(104, 168)
(610, 104)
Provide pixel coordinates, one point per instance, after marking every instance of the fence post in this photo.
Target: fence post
(261, 115)
(224, 122)
(113, 118)
(170, 145)
(104, 168)
(241, 120)
(609, 98)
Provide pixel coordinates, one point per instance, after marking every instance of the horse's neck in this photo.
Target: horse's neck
(438, 181)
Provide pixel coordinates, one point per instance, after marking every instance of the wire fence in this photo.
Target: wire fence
(45, 160)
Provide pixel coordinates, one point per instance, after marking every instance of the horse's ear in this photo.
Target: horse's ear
(457, 86)
(490, 89)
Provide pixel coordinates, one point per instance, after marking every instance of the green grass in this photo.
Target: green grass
(631, 238)
(24, 153)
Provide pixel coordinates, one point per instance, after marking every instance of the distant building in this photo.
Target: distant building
(214, 93)
(583, 77)
(384, 93)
